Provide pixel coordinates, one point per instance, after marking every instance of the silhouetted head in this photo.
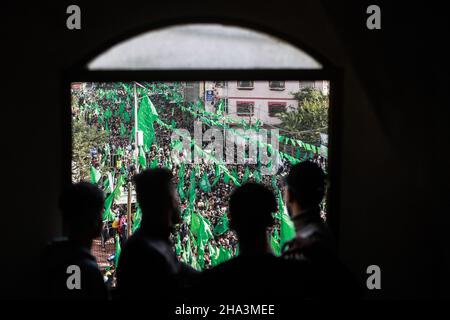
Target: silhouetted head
(251, 207)
(82, 206)
(158, 201)
(305, 186)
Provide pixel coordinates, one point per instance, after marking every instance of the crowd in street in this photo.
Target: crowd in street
(118, 157)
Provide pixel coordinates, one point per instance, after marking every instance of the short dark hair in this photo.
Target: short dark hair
(153, 189)
(306, 182)
(251, 206)
(81, 203)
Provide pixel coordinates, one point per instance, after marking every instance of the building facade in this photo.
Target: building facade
(257, 100)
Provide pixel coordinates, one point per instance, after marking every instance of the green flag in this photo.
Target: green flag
(107, 214)
(235, 177)
(117, 192)
(213, 254)
(95, 175)
(204, 183)
(246, 175)
(154, 163)
(287, 229)
(109, 183)
(118, 250)
(200, 228)
(220, 107)
(257, 176)
(274, 184)
(192, 187)
(298, 154)
(180, 186)
(224, 255)
(146, 116)
(275, 243)
(222, 226)
(142, 158)
(137, 219)
(178, 245)
(216, 175)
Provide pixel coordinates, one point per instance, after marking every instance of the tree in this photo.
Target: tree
(310, 118)
(84, 137)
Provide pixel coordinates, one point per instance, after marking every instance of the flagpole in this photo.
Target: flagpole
(136, 150)
(129, 210)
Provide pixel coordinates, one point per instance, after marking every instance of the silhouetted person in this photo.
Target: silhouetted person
(305, 189)
(148, 268)
(82, 206)
(255, 273)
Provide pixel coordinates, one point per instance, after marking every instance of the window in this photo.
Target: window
(276, 85)
(276, 108)
(244, 108)
(306, 84)
(155, 50)
(245, 84)
(220, 84)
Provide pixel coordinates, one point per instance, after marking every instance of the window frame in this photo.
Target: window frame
(238, 86)
(252, 103)
(333, 75)
(277, 88)
(275, 103)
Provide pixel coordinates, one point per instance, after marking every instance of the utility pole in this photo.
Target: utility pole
(129, 210)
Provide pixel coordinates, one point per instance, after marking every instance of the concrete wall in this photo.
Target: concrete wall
(389, 188)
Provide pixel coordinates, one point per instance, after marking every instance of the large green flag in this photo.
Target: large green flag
(95, 175)
(142, 158)
(222, 226)
(204, 183)
(146, 116)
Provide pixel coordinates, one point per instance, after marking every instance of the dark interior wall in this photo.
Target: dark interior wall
(393, 125)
